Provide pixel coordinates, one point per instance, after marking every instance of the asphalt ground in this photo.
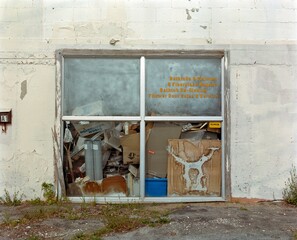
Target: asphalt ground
(224, 221)
(263, 220)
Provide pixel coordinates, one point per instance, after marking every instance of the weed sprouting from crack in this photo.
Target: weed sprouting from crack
(290, 191)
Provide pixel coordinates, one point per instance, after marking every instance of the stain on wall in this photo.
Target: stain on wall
(23, 89)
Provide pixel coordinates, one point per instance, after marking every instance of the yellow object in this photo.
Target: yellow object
(214, 124)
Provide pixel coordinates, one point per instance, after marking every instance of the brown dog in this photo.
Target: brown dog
(110, 186)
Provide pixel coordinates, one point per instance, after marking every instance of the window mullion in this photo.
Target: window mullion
(142, 127)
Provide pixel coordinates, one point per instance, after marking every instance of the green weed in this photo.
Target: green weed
(290, 191)
(14, 200)
(33, 237)
(243, 208)
(48, 192)
(33, 215)
(295, 235)
(82, 236)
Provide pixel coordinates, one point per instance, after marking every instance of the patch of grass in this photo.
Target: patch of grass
(82, 236)
(290, 191)
(116, 217)
(33, 215)
(79, 236)
(41, 213)
(7, 218)
(35, 201)
(243, 208)
(120, 218)
(14, 200)
(33, 237)
(9, 221)
(295, 235)
(39, 202)
(74, 214)
(48, 211)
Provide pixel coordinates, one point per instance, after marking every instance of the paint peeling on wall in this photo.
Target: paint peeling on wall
(193, 10)
(188, 14)
(23, 89)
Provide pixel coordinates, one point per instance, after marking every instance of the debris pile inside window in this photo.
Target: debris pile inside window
(181, 158)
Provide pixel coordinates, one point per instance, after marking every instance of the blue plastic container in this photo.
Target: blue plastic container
(156, 187)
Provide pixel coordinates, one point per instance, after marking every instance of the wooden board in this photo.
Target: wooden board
(194, 167)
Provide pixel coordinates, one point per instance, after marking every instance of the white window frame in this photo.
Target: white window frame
(60, 118)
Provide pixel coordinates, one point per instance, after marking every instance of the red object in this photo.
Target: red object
(151, 152)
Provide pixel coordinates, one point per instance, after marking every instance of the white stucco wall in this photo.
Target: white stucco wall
(260, 34)
(263, 119)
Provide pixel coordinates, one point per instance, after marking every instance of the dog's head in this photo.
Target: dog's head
(80, 181)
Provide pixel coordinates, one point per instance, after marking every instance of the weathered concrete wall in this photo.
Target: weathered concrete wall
(259, 34)
(263, 119)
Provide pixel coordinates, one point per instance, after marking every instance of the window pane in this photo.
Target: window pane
(102, 158)
(101, 87)
(183, 87)
(183, 159)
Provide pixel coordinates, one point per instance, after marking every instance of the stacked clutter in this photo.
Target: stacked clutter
(102, 158)
(175, 159)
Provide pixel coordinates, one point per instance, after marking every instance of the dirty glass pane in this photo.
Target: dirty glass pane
(101, 87)
(102, 158)
(183, 159)
(183, 87)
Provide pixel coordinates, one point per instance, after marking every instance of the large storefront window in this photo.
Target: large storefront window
(144, 127)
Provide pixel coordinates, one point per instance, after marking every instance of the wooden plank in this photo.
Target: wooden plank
(194, 168)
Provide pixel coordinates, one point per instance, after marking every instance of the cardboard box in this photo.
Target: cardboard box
(131, 148)
(85, 128)
(156, 151)
(194, 167)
